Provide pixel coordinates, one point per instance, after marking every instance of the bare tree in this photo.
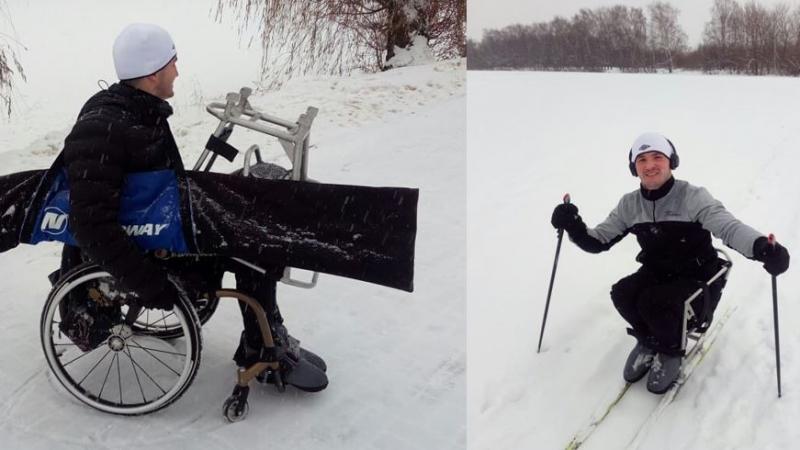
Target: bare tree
(793, 56)
(779, 38)
(10, 67)
(756, 27)
(337, 36)
(665, 36)
(475, 58)
(721, 36)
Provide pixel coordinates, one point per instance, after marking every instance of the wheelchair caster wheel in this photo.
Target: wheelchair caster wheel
(235, 409)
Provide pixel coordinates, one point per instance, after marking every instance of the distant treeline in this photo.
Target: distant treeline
(748, 39)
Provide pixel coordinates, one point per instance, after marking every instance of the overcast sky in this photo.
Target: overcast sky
(492, 14)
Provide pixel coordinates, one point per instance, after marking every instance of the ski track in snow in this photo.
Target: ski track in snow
(534, 136)
(397, 363)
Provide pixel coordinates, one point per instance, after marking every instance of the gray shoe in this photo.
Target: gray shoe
(639, 361)
(664, 373)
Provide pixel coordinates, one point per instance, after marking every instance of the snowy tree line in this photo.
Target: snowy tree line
(749, 39)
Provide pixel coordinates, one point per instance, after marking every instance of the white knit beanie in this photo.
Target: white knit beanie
(142, 49)
(651, 142)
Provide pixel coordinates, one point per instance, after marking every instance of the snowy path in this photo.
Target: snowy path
(534, 136)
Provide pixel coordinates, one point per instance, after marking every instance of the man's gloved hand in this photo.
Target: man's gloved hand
(565, 216)
(166, 298)
(774, 256)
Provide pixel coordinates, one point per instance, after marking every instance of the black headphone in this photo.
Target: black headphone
(674, 160)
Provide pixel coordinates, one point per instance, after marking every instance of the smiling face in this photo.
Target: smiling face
(164, 80)
(653, 169)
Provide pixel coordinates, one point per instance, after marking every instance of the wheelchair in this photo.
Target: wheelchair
(120, 357)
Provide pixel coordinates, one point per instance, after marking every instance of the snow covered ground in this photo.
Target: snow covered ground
(534, 136)
(397, 360)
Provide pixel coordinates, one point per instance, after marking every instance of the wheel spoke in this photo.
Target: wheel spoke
(156, 358)
(147, 375)
(149, 324)
(156, 350)
(164, 318)
(136, 373)
(119, 379)
(82, 355)
(110, 365)
(93, 367)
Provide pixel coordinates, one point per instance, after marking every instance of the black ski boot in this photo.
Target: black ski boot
(298, 367)
(310, 356)
(664, 373)
(639, 361)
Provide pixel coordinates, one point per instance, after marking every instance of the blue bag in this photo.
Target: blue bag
(149, 212)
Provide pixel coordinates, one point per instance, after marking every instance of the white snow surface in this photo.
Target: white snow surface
(532, 137)
(397, 361)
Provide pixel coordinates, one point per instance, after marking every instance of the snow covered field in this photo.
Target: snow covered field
(534, 136)
(397, 360)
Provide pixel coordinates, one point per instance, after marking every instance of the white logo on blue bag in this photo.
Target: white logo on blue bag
(54, 221)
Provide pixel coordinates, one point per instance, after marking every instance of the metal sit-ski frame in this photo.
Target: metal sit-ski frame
(689, 312)
(293, 136)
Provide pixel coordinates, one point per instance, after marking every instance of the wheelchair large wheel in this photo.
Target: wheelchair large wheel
(165, 324)
(108, 363)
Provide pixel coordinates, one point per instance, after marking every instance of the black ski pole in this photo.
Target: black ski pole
(552, 278)
(771, 240)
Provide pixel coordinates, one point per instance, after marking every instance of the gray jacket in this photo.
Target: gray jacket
(672, 225)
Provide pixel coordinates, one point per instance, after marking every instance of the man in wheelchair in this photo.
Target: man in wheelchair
(122, 130)
(673, 222)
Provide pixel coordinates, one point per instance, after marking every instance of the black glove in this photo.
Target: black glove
(565, 216)
(165, 298)
(774, 256)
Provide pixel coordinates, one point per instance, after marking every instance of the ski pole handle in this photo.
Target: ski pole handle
(566, 199)
(770, 239)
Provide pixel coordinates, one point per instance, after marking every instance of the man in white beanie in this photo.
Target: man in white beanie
(673, 222)
(123, 130)
(145, 57)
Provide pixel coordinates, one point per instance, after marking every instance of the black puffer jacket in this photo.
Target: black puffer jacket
(120, 130)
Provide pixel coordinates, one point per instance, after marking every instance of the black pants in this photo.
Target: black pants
(262, 288)
(653, 304)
